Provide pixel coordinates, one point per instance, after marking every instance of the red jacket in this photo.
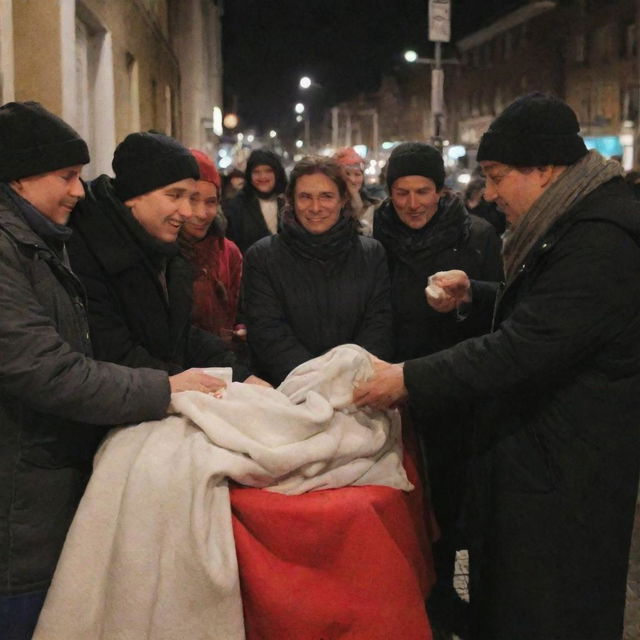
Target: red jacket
(216, 286)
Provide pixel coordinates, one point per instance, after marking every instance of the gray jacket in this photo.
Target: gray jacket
(53, 396)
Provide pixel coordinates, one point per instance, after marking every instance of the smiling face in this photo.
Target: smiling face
(53, 194)
(353, 176)
(204, 206)
(415, 199)
(164, 211)
(263, 178)
(317, 202)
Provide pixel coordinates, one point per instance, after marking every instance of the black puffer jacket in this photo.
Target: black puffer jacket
(303, 296)
(451, 240)
(132, 320)
(557, 445)
(53, 396)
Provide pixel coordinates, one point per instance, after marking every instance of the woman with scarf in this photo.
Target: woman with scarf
(318, 283)
(363, 206)
(425, 230)
(217, 262)
(255, 212)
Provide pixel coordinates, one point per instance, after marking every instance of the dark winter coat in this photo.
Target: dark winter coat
(246, 222)
(557, 444)
(53, 396)
(133, 320)
(451, 240)
(302, 299)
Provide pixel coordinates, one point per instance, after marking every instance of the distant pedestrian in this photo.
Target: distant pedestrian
(555, 384)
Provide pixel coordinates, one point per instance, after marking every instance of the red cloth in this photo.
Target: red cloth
(342, 563)
(216, 286)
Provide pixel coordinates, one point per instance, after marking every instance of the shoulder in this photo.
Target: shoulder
(263, 247)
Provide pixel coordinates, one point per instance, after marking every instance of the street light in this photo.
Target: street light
(299, 108)
(272, 133)
(410, 56)
(299, 144)
(305, 82)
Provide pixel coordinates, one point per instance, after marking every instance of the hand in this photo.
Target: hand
(384, 390)
(446, 290)
(195, 380)
(257, 381)
(240, 332)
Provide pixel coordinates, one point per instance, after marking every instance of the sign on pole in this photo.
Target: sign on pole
(439, 20)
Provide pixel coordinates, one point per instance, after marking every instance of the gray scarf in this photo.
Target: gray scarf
(573, 184)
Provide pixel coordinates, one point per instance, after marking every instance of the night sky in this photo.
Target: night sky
(343, 45)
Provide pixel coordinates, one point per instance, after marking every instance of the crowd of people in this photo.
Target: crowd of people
(518, 369)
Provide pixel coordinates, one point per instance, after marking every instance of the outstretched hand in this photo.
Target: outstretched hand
(384, 390)
(447, 290)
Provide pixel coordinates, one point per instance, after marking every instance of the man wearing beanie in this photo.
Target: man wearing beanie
(125, 251)
(554, 385)
(56, 402)
(255, 212)
(425, 230)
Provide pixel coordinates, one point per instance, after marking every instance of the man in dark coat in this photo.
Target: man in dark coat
(255, 212)
(426, 230)
(555, 385)
(55, 400)
(125, 252)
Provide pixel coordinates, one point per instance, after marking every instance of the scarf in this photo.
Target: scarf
(321, 247)
(573, 184)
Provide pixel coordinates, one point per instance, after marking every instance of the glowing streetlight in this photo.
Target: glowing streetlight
(273, 133)
(250, 137)
(305, 82)
(230, 121)
(299, 118)
(299, 108)
(410, 56)
(299, 144)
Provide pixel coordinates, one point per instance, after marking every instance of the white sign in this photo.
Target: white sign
(439, 20)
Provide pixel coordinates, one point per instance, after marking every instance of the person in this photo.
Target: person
(318, 283)
(425, 230)
(255, 212)
(555, 384)
(231, 185)
(56, 401)
(476, 205)
(363, 205)
(216, 261)
(125, 252)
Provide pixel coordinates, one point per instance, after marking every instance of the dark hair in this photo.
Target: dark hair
(310, 165)
(264, 156)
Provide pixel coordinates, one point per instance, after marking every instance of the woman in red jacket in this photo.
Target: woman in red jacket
(217, 261)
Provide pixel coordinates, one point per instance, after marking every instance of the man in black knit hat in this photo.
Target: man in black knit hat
(125, 252)
(425, 230)
(56, 402)
(556, 456)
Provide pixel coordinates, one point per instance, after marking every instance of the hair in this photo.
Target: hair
(310, 165)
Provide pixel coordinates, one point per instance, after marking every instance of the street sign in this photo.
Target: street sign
(439, 20)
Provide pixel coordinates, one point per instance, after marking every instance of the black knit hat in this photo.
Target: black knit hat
(535, 130)
(146, 161)
(34, 141)
(415, 159)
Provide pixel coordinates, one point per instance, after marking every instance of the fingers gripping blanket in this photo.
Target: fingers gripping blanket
(151, 554)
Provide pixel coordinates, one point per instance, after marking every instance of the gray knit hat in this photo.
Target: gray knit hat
(34, 141)
(535, 130)
(415, 159)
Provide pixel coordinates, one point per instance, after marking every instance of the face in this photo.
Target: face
(204, 207)
(353, 176)
(415, 199)
(263, 178)
(53, 194)
(317, 202)
(164, 211)
(513, 191)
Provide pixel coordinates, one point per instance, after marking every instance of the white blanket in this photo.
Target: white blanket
(150, 553)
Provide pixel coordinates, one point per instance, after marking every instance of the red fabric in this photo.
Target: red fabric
(343, 563)
(216, 287)
(208, 171)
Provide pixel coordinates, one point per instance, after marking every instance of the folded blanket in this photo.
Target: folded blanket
(151, 554)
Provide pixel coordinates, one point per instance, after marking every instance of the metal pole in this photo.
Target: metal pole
(307, 133)
(437, 96)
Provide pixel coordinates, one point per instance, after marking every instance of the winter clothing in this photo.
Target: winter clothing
(35, 141)
(139, 290)
(415, 159)
(217, 266)
(208, 171)
(246, 222)
(52, 396)
(146, 161)
(306, 293)
(349, 157)
(264, 156)
(557, 433)
(450, 240)
(535, 130)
